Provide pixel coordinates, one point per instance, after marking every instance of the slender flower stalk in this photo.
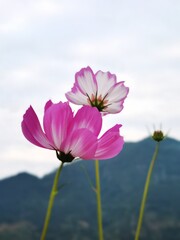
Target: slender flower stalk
(71, 136)
(157, 136)
(100, 90)
(98, 194)
(53, 194)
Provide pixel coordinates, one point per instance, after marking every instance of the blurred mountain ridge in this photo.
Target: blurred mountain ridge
(24, 198)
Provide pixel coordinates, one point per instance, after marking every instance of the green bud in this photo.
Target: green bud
(158, 136)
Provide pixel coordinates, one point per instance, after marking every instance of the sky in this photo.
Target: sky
(43, 43)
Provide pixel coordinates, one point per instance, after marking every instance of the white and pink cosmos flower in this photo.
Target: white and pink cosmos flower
(72, 135)
(100, 90)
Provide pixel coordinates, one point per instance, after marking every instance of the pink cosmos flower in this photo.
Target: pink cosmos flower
(72, 135)
(99, 90)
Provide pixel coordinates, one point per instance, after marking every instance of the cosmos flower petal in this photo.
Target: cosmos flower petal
(85, 81)
(100, 90)
(57, 119)
(81, 143)
(89, 118)
(76, 96)
(110, 144)
(47, 105)
(117, 93)
(105, 80)
(32, 130)
(115, 107)
(72, 136)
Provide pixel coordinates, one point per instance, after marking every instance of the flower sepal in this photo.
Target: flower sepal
(64, 157)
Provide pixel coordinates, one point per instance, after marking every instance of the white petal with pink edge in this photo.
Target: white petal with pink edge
(114, 107)
(117, 92)
(77, 97)
(105, 80)
(86, 82)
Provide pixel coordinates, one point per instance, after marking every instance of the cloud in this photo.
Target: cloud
(44, 43)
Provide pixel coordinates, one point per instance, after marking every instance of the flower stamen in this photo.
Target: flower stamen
(97, 101)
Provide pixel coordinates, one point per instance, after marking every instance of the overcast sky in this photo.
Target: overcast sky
(43, 43)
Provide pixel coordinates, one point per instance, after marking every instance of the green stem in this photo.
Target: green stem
(54, 191)
(146, 187)
(98, 194)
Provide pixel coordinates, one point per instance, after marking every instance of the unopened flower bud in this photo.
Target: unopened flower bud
(158, 136)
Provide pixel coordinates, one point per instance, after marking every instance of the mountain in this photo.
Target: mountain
(24, 198)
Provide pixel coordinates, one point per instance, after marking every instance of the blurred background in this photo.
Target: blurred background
(43, 43)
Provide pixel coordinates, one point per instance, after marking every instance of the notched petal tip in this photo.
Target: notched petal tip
(116, 128)
(47, 105)
(82, 72)
(28, 112)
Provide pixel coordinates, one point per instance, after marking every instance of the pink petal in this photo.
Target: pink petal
(105, 80)
(82, 143)
(47, 105)
(89, 118)
(85, 81)
(117, 92)
(32, 130)
(57, 119)
(110, 144)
